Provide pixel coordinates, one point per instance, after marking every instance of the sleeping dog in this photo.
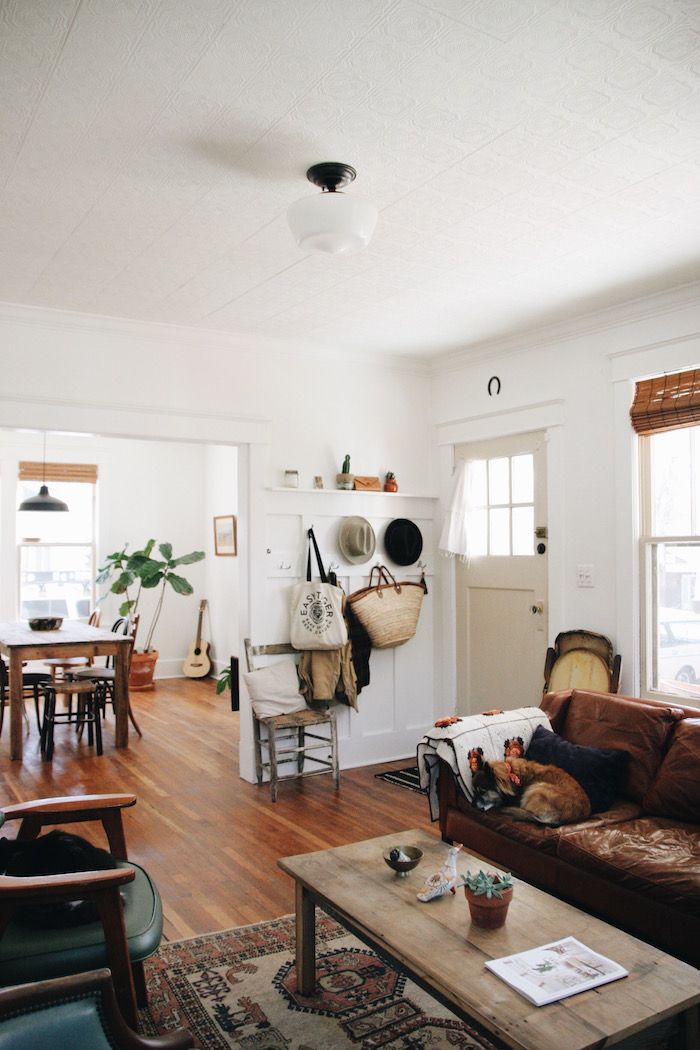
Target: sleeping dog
(531, 791)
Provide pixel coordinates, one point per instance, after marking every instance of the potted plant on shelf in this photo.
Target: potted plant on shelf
(488, 894)
(390, 482)
(145, 572)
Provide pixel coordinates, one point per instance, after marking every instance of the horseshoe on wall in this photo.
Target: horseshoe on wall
(494, 379)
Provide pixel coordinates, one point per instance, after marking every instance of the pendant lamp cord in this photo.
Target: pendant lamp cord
(43, 465)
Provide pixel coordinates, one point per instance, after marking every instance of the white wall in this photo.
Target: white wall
(576, 382)
(221, 576)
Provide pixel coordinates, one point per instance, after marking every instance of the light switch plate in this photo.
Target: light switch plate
(584, 576)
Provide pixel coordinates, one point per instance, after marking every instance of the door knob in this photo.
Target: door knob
(537, 609)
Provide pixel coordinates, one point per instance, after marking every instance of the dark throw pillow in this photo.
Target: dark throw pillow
(600, 771)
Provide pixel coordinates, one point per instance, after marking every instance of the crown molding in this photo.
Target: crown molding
(586, 323)
(188, 337)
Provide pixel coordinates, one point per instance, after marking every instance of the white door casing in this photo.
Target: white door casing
(501, 610)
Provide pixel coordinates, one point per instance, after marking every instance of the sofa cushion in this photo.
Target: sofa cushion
(675, 792)
(606, 721)
(652, 856)
(600, 771)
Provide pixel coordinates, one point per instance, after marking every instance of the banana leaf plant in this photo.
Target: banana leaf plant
(142, 571)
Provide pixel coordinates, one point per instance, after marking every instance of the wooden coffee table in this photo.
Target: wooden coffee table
(438, 947)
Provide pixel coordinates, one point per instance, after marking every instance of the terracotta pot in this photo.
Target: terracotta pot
(142, 669)
(391, 485)
(488, 912)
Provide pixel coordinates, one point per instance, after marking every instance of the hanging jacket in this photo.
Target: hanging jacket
(328, 674)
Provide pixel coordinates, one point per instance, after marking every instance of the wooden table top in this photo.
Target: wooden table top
(16, 634)
(436, 942)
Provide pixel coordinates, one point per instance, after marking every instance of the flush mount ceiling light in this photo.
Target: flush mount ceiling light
(43, 501)
(331, 221)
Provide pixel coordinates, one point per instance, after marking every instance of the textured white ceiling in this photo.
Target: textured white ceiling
(530, 159)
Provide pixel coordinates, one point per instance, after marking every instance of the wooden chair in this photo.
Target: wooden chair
(32, 681)
(60, 667)
(582, 660)
(130, 923)
(127, 626)
(290, 737)
(76, 1011)
(88, 712)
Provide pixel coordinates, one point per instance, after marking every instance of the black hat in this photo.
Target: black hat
(403, 541)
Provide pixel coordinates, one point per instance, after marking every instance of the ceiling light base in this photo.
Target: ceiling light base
(331, 175)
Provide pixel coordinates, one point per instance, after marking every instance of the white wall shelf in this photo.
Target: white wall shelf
(351, 492)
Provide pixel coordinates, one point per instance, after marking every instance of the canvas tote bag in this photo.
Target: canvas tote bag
(388, 610)
(317, 620)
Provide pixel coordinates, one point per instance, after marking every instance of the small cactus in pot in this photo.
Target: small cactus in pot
(345, 480)
(390, 483)
(488, 894)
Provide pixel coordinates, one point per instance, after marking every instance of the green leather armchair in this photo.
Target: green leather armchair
(79, 1012)
(130, 922)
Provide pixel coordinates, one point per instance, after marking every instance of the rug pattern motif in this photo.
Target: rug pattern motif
(237, 988)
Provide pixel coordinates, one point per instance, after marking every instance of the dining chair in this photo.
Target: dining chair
(59, 667)
(32, 681)
(126, 626)
(130, 923)
(89, 698)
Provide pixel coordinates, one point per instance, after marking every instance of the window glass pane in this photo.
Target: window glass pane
(56, 580)
(673, 483)
(477, 530)
(523, 479)
(478, 496)
(675, 634)
(499, 481)
(73, 526)
(499, 531)
(523, 530)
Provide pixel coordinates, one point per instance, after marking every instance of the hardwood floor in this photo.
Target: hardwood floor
(209, 839)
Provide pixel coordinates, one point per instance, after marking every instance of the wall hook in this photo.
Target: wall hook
(333, 565)
(283, 566)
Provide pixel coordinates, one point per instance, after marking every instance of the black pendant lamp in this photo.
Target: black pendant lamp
(43, 501)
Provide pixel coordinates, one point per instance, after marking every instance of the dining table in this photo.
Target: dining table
(19, 643)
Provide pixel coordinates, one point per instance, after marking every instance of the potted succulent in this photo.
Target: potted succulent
(345, 480)
(488, 894)
(142, 571)
(390, 482)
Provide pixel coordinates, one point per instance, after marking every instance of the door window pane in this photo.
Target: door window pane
(499, 531)
(478, 491)
(523, 478)
(477, 527)
(523, 530)
(499, 481)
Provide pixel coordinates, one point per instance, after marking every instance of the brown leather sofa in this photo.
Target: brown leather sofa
(637, 865)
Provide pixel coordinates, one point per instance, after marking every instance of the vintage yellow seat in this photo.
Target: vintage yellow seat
(582, 660)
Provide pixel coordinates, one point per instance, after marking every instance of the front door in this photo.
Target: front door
(501, 592)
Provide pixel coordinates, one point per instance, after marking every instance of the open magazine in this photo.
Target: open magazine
(554, 971)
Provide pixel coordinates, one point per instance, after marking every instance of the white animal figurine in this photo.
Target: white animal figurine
(443, 881)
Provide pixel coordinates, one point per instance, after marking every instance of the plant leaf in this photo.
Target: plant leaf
(126, 607)
(122, 582)
(148, 582)
(178, 583)
(166, 550)
(188, 559)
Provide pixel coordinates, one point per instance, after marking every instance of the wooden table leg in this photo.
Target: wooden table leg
(16, 701)
(306, 941)
(121, 696)
(690, 1021)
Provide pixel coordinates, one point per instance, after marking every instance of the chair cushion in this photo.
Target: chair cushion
(579, 668)
(676, 791)
(600, 771)
(274, 690)
(76, 1024)
(32, 955)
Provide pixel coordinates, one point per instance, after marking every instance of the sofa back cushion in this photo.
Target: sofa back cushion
(675, 792)
(607, 721)
(601, 772)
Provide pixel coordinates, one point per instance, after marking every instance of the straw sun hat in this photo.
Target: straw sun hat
(356, 540)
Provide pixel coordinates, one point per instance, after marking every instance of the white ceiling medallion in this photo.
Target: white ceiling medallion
(331, 221)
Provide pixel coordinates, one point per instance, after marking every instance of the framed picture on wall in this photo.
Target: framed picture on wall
(225, 535)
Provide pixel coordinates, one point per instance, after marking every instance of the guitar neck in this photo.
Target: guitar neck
(202, 607)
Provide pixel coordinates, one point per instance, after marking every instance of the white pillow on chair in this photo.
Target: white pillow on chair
(274, 690)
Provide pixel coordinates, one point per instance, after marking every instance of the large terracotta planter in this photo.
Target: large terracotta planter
(142, 669)
(488, 912)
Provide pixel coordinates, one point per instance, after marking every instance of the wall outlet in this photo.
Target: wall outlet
(584, 576)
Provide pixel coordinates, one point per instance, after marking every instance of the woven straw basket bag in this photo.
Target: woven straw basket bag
(388, 610)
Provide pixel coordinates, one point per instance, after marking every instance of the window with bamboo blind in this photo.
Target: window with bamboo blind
(30, 470)
(666, 416)
(666, 402)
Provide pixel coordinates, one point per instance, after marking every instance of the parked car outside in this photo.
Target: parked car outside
(678, 654)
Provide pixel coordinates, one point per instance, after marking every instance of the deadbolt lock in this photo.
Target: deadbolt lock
(541, 532)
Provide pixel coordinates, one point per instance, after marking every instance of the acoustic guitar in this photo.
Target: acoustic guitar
(198, 664)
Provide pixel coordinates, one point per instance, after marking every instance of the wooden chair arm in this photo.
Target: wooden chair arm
(75, 885)
(72, 809)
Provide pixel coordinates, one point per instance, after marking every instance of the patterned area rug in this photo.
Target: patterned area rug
(405, 778)
(237, 988)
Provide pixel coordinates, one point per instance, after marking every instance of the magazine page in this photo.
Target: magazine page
(554, 971)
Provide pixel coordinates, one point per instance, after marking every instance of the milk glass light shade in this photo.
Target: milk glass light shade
(331, 221)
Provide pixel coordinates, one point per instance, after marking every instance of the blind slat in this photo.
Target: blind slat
(666, 403)
(35, 471)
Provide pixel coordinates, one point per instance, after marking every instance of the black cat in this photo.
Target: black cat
(56, 853)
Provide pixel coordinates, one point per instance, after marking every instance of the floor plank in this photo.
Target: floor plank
(209, 839)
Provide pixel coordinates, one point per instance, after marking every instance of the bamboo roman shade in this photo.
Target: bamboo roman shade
(30, 471)
(667, 403)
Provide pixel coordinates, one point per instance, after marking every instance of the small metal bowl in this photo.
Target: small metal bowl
(45, 623)
(402, 867)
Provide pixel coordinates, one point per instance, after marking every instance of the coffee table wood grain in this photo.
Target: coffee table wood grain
(438, 947)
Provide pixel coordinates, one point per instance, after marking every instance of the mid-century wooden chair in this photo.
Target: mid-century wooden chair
(582, 660)
(77, 1011)
(290, 738)
(87, 712)
(60, 667)
(127, 626)
(130, 922)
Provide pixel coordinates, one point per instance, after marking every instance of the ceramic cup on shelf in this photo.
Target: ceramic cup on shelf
(291, 479)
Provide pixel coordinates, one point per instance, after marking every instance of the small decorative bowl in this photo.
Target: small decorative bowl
(45, 623)
(402, 867)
